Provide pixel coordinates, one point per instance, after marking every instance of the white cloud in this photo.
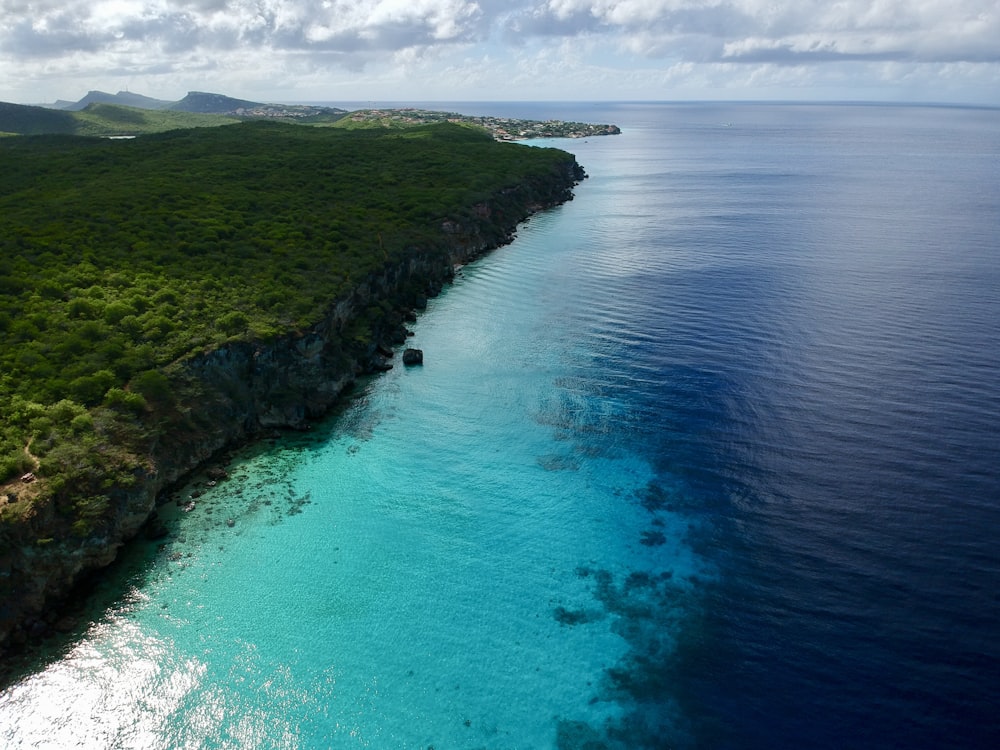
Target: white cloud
(399, 40)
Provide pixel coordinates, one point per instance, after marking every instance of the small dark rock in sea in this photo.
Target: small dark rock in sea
(230, 523)
(413, 357)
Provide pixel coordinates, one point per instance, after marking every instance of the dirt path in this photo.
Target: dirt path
(35, 463)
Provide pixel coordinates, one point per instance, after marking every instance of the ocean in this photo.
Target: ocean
(708, 457)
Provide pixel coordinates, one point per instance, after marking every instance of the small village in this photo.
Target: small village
(502, 128)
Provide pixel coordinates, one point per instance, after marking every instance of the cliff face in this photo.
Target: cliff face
(229, 395)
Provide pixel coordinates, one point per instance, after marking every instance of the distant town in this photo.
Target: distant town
(502, 128)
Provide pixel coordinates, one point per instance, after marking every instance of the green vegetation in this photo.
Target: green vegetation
(114, 119)
(27, 120)
(118, 258)
(104, 115)
(101, 120)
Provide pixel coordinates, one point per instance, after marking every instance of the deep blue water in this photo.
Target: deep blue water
(708, 457)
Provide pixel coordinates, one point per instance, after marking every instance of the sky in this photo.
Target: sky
(944, 51)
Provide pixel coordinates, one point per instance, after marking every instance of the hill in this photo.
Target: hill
(200, 109)
(200, 102)
(163, 297)
(100, 120)
(105, 115)
(24, 119)
(124, 98)
(204, 103)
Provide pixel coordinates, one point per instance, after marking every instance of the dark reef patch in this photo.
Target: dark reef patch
(578, 735)
(653, 613)
(571, 617)
(653, 538)
(556, 462)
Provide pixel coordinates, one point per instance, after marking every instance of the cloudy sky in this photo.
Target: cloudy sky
(475, 50)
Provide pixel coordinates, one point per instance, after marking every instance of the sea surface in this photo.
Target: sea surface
(707, 458)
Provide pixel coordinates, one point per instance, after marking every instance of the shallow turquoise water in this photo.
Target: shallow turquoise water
(426, 569)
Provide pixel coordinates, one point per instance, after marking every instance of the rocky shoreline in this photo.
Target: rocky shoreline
(247, 389)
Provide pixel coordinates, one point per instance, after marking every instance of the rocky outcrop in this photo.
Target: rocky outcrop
(246, 388)
(413, 357)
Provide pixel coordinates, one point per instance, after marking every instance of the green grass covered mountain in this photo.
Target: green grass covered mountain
(99, 119)
(135, 276)
(127, 114)
(122, 98)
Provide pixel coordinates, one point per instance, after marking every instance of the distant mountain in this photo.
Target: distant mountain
(98, 119)
(125, 98)
(216, 104)
(28, 120)
(204, 103)
(200, 102)
(197, 109)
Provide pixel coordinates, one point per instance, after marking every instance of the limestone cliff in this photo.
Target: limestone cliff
(231, 394)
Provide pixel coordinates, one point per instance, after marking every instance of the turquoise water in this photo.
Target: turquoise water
(427, 569)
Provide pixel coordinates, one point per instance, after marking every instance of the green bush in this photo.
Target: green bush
(123, 400)
(233, 322)
(82, 423)
(119, 258)
(14, 463)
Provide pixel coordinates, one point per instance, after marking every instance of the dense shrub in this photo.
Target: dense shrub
(119, 257)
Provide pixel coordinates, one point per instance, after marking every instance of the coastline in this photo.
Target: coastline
(244, 390)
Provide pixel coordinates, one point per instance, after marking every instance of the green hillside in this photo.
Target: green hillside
(23, 119)
(123, 98)
(100, 120)
(114, 119)
(198, 109)
(120, 257)
(208, 103)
